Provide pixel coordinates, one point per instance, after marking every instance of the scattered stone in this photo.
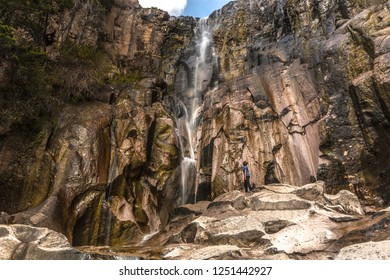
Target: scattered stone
(250, 238)
(277, 220)
(343, 219)
(312, 191)
(240, 203)
(217, 204)
(348, 202)
(275, 226)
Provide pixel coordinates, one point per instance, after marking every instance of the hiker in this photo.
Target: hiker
(247, 176)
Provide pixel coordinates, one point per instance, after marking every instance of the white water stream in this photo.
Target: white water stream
(202, 75)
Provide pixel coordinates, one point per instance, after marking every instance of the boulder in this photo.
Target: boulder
(21, 242)
(348, 202)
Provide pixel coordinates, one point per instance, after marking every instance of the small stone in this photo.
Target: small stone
(347, 200)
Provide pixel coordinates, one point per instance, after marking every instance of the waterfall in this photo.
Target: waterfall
(186, 147)
(189, 106)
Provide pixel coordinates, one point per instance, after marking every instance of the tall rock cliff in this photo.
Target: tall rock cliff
(302, 96)
(103, 170)
(174, 105)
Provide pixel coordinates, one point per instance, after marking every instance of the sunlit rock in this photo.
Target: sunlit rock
(366, 251)
(283, 223)
(347, 201)
(205, 253)
(21, 242)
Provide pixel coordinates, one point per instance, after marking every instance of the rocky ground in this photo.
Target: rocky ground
(275, 222)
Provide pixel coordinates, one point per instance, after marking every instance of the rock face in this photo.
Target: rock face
(298, 89)
(302, 95)
(106, 171)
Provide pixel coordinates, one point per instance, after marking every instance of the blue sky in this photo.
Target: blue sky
(203, 8)
(196, 8)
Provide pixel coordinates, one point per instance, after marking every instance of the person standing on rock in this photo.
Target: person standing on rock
(247, 177)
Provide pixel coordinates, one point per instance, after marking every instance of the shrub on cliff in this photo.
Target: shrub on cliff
(32, 15)
(32, 84)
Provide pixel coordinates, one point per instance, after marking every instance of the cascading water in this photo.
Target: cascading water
(188, 163)
(188, 108)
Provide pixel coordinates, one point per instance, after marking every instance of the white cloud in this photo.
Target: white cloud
(173, 7)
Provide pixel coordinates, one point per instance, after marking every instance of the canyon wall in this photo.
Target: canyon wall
(300, 90)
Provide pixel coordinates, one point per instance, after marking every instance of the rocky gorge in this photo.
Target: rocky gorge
(147, 163)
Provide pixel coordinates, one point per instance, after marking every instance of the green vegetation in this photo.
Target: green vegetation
(126, 78)
(38, 74)
(32, 83)
(25, 69)
(32, 15)
(37, 85)
(84, 67)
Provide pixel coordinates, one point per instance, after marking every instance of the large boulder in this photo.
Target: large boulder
(21, 242)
